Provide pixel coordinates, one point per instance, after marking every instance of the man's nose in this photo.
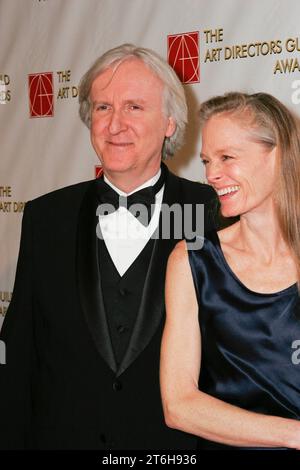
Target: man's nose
(116, 123)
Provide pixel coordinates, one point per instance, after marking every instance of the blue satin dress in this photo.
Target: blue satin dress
(249, 354)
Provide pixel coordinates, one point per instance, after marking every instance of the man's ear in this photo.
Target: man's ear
(171, 127)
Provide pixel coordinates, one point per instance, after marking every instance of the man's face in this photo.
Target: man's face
(128, 123)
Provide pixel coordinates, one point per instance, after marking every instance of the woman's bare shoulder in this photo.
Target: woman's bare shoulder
(179, 252)
(178, 259)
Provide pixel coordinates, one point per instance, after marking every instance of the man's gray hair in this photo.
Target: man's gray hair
(174, 100)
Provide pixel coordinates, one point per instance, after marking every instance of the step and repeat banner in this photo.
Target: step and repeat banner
(46, 46)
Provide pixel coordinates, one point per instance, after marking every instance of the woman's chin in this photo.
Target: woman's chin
(226, 212)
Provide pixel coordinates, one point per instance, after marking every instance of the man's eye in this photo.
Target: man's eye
(134, 107)
(205, 162)
(226, 157)
(102, 107)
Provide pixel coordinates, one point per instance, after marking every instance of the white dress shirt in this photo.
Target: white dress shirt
(124, 236)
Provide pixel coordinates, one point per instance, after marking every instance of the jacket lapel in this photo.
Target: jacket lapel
(88, 276)
(151, 311)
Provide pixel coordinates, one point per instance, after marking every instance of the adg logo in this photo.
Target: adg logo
(183, 56)
(41, 94)
(98, 171)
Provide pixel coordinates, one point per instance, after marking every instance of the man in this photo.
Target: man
(84, 327)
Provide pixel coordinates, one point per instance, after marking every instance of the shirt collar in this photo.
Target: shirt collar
(149, 182)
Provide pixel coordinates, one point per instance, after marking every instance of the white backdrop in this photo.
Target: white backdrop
(249, 46)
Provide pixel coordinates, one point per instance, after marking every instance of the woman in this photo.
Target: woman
(241, 287)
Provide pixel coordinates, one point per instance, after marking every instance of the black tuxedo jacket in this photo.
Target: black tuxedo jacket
(60, 387)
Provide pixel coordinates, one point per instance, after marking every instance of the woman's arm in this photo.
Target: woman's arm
(187, 408)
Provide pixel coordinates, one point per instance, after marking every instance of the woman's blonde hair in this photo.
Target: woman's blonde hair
(270, 124)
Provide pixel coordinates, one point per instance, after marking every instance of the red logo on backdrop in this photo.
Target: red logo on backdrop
(41, 94)
(183, 56)
(98, 171)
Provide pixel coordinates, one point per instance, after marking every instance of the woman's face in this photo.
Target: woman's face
(241, 170)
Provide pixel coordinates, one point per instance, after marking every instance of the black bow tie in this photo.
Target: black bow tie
(140, 204)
